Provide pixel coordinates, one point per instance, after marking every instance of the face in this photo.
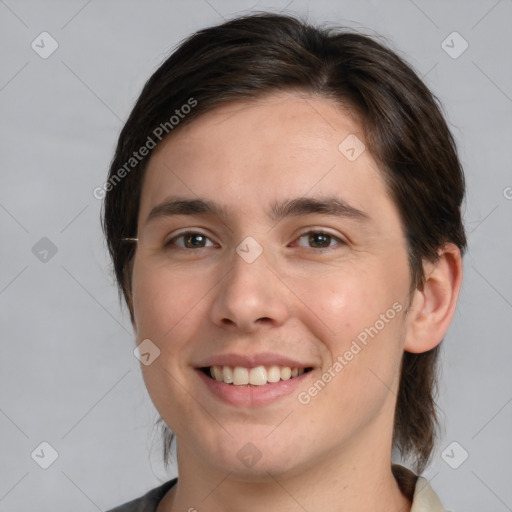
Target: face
(267, 249)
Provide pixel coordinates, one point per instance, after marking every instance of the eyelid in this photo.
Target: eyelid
(187, 231)
(342, 240)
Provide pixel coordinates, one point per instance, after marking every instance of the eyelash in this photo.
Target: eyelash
(339, 241)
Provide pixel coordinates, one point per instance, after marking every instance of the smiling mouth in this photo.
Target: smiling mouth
(257, 376)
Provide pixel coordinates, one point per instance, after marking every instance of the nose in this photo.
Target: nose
(250, 296)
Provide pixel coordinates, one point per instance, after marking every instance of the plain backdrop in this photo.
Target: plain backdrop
(67, 370)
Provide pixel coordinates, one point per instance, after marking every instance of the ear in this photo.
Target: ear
(432, 307)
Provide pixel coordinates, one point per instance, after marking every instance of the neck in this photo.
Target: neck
(364, 484)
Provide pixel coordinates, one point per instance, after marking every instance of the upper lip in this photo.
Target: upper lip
(252, 360)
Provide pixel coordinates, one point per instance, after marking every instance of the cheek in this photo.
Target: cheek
(344, 303)
(167, 311)
(359, 320)
(358, 316)
(163, 300)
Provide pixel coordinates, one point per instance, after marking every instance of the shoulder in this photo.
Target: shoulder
(148, 502)
(418, 490)
(425, 499)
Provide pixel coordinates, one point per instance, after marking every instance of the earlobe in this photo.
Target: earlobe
(433, 306)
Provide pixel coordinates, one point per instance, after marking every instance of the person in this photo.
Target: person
(283, 212)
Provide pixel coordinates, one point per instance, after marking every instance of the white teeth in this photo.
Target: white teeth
(217, 373)
(228, 374)
(286, 373)
(240, 376)
(258, 376)
(274, 374)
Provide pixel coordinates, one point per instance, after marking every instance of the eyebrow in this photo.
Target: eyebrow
(179, 206)
(279, 210)
(308, 205)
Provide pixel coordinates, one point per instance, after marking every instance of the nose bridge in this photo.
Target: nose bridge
(249, 294)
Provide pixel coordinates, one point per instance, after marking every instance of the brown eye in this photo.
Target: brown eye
(319, 240)
(190, 240)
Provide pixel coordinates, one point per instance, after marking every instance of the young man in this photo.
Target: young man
(283, 214)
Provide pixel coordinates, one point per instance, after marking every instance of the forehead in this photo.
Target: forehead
(250, 153)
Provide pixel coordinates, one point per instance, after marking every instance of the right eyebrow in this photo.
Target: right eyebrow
(173, 206)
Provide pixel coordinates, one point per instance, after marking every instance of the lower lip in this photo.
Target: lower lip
(252, 396)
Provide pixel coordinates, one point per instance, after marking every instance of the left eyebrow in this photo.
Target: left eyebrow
(308, 205)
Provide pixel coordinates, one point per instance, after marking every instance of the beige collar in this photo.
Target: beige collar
(418, 490)
(425, 499)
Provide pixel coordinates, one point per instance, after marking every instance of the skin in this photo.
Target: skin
(295, 299)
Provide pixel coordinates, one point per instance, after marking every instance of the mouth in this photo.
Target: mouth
(253, 377)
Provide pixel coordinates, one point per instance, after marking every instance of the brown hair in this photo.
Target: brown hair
(405, 132)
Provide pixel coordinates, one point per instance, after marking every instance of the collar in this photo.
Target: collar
(417, 489)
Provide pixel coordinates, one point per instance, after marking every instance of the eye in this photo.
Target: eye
(190, 240)
(319, 240)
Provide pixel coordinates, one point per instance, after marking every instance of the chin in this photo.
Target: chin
(258, 459)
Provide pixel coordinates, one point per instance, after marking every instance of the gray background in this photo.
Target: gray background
(68, 375)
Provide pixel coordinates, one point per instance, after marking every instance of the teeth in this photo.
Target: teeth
(258, 376)
(286, 373)
(227, 373)
(217, 373)
(240, 376)
(274, 374)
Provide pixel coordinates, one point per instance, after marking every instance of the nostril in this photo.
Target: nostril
(264, 320)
